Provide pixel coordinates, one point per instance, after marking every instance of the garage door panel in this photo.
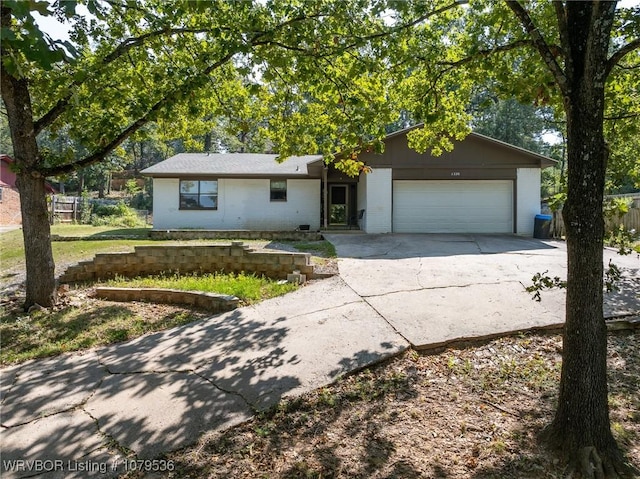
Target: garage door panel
(432, 206)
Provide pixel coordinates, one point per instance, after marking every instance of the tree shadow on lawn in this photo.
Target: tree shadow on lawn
(50, 333)
(24, 332)
(146, 396)
(624, 402)
(137, 233)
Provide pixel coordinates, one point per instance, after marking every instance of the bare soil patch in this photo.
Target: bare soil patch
(463, 413)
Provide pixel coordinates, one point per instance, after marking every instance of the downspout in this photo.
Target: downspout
(325, 197)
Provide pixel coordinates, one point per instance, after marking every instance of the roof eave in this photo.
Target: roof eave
(228, 175)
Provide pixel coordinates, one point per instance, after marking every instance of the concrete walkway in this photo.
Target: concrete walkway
(162, 391)
(83, 412)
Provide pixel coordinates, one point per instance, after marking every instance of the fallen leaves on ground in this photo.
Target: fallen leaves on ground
(462, 413)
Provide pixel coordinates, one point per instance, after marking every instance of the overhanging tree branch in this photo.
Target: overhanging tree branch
(102, 152)
(485, 53)
(361, 40)
(622, 116)
(540, 43)
(561, 17)
(620, 54)
(48, 118)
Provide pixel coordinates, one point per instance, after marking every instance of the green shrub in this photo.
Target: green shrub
(119, 209)
(85, 208)
(141, 201)
(116, 215)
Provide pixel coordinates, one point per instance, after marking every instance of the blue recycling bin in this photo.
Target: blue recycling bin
(542, 226)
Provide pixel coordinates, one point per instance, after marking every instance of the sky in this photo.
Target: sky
(60, 31)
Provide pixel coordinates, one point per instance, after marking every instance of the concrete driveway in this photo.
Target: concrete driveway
(437, 288)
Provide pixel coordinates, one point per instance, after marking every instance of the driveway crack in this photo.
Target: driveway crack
(320, 310)
(74, 407)
(364, 298)
(409, 290)
(253, 408)
(110, 442)
(420, 264)
(42, 416)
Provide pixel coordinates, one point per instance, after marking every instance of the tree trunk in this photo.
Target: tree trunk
(581, 427)
(582, 417)
(108, 181)
(41, 284)
(41, 287)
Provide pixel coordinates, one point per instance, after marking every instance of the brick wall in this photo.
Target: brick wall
(10, 207)
(148, 260)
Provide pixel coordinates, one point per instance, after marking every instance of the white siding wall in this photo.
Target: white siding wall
(528, 199)
(362, 200)
(242, 204)
(378, 192)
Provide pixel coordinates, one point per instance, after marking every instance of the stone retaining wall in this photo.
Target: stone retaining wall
(235, 234)
(216, 303)
(149, 260)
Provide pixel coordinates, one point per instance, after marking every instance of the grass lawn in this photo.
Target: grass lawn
(248, 287)
(69, 252)
(81, 324)
(64, 252)
(81, 321)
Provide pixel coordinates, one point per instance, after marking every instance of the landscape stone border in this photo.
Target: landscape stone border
(229, 258)
(216, 303)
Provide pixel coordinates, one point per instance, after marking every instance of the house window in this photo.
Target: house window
(278, 190)
(198, 194)
(0, 194)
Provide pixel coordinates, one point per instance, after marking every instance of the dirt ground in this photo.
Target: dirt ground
(462, 413)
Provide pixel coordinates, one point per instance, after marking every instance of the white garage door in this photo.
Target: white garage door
(441, 206)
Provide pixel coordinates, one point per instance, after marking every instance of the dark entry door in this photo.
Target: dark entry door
(338, 205)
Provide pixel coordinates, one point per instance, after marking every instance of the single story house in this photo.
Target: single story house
(482, 186)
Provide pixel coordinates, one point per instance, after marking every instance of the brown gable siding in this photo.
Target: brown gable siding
(474, 152)
(454, 173)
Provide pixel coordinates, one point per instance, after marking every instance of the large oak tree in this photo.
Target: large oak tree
(583, 58)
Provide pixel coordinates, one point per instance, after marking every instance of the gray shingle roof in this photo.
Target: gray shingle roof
(241, 164)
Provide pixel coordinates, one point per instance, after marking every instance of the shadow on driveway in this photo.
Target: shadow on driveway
(396, 246)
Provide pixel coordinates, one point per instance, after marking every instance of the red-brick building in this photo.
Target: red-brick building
(9, 196)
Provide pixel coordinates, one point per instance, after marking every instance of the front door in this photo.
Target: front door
(338, 205)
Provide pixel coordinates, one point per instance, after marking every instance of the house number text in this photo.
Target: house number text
(455, 173)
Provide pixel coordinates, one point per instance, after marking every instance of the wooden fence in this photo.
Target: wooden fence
(630, 220)
(65, 209)
(68, 209)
